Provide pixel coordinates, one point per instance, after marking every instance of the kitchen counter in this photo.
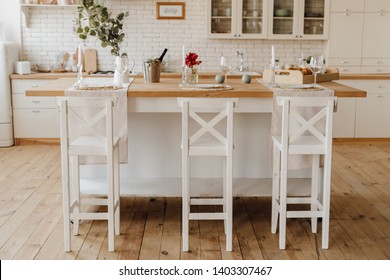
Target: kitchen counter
(169, 87)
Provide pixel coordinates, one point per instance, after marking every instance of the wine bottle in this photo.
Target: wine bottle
(162, 55)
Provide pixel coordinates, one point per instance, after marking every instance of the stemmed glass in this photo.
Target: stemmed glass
(225, 67)
(316, 64)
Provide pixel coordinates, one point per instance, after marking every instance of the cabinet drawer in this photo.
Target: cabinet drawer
(349, 70)
(375, 70)
(20, 86)
(344, 61)
(372, 87)
(377, 6)
(347, 6)
(36, 123)
(379, 62)
(21, 101)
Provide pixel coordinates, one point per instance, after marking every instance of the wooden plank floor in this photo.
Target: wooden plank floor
(31, 216)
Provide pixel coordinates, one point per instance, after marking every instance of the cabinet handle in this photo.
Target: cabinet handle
(379, 86)
(379, 96)
(347, 10)
(381, 14)
(346, 14)
(378, 62)
(343, 62)
(34, 86)
(36, 101)
(36, 111)
(378, 70)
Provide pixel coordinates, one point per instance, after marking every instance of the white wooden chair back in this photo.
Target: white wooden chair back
(306, 116)
(86, 117)
(192, 109)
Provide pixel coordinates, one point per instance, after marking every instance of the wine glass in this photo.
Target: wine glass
(316, 64)
(225, 67)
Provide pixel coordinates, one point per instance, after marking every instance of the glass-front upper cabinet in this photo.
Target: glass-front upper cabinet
(299, 19)
(236, 19)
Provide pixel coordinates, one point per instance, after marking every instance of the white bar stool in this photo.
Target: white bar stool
(207, 141)
(302, 135)
(88, 139)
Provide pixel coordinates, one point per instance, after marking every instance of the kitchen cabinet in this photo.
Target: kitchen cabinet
(344, 118)
(239, 19)
(350, 6)
(376, 41)
(298, 19)
(358, 31)
(371, 113)
(34, 117)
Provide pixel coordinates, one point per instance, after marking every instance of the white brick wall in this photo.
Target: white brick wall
(50, 32)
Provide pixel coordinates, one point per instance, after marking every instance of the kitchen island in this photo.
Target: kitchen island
(154, 130)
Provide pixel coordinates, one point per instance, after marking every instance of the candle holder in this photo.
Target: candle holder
(183, 77)
(273, 83)
(80, 82)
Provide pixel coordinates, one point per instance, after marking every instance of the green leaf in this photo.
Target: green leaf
(80, 30)
(104, 44)
(83, 36)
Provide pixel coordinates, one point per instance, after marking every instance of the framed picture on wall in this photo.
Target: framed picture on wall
(170, 10)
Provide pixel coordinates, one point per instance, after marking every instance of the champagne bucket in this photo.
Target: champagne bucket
(151, 71)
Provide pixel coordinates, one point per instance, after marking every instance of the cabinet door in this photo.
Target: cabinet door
(376, 40)
(221, 18)
(344, 118)
(347, 5)
(314, 20)
(345, 38)
(283, 19)
(377, 6)
(372, 115)
(251, 21)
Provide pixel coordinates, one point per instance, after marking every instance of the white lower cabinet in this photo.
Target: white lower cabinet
(344, 118)
(33, 117)
(372, 112)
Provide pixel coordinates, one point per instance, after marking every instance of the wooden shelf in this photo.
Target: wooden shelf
(25, 9)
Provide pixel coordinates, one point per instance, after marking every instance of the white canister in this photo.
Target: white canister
(22, 67)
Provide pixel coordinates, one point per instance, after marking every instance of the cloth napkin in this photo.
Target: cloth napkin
(119, 113)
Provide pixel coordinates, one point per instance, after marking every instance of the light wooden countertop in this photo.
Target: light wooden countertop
(169, 87)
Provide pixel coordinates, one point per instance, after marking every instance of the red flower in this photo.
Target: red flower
(191, 60)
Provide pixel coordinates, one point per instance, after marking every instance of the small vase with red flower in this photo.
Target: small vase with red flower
(192, 67)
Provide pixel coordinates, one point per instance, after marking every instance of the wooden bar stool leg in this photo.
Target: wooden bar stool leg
(326, 202)
(186, 201)
(117, 205)
(314, 190)
(75, 193)
(110, 197)
(229, 204)
(275, 189)
(283, 202)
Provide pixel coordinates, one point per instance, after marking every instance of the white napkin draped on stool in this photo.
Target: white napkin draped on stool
(297, 161)
(119, 113)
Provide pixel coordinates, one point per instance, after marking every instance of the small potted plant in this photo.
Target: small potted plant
(94, 19)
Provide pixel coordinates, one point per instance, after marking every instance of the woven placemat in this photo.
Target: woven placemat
(197, 88)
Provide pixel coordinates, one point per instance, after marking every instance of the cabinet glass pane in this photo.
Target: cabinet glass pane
(221, 16)
(252, 16)
(283, 17)
(314, 17)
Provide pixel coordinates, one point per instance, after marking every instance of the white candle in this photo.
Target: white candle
(79, 57)
(183, 56)
(273, 55)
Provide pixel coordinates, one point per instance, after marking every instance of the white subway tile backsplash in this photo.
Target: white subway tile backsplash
(51, 31)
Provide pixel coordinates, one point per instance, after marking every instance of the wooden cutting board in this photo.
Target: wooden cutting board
(90, 60)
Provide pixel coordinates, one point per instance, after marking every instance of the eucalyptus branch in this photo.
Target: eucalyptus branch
(94, 19)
